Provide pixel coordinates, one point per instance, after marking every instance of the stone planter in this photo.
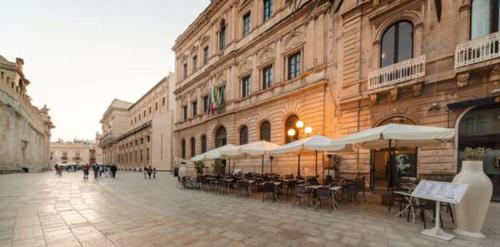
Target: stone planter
(471, 212)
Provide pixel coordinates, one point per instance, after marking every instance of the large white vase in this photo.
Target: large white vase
(182, 170)
(471, 212)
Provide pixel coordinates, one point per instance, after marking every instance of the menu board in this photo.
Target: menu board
(440, 191)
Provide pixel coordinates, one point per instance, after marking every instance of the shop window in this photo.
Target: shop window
(243, 135)
(265, 131)
(291, 123)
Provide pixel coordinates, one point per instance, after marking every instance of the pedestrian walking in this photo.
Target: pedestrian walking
(95, 167)
(150, 171)
(145, 172)
(86, 169)
(113, 170)
(154, 172)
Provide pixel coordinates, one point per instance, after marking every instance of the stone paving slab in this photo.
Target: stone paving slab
(46, 210)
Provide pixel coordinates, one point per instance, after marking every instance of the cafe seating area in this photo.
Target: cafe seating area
(306, 192)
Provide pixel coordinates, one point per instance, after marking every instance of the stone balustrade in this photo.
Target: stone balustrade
(396, 73)
(477, 50)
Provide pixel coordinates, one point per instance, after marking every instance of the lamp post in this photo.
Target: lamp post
(291, 133)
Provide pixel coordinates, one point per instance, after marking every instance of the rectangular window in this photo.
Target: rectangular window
(163, 101)
(245, 87)
(205, 55)
(294, 65)
(195, 63)
(150, 110)
(156, 106)
(268, 9)
(246, 24)
(194, 108)
(267, 77)
(205, 104)
(185, 70)
(185, 112)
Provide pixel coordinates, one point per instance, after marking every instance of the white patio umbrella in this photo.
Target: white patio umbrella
(214, 153)
(259, 148)
(398, 135)
(314, 143)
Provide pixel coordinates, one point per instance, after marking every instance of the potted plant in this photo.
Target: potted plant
(219, 167)
(471, 212)
(199, 166)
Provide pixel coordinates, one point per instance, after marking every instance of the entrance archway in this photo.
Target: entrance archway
(480, 127)
(405, 159)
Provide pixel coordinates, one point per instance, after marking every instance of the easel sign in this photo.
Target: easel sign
(440, 192)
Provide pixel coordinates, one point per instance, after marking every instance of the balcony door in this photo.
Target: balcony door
(396, 44)
(484, 18)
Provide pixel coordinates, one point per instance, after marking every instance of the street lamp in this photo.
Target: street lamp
(291, 132)
(308, 130)
(299, 124)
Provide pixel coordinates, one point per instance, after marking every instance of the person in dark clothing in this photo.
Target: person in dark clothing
(154, 172)
(150, 171)
(86, 169)
(113, 170)
(95, 167)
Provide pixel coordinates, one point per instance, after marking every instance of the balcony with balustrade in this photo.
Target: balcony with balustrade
(399, 74)
(477, 52)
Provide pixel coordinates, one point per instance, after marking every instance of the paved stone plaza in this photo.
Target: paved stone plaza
(45, 210)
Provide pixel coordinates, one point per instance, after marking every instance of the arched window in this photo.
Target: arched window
(291, 123)
(265, 131)
(183, 149)
(222, 35)
(484, 18)
(243, 135)
(193, 147)
(396, 44)
(220, 137)
(203, 143)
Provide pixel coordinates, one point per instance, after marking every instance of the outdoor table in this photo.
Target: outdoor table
(409, 199)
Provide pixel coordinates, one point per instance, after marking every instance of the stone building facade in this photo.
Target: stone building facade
(415, 62)
(364, 64)
(139, 134)
(24, 128)
(272, 66)
(77, 152)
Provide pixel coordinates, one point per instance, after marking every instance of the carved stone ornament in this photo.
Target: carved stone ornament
(495, 73)
(373, 99)
(462, 80)
(266, 55)
(294, 40)
(245, 66)
(393, 94)
(417, 89)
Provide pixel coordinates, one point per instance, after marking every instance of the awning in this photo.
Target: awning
(484, 101)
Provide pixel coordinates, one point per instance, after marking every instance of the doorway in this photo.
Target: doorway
(405, 160)
(480, 127)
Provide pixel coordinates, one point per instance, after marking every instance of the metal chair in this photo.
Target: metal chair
(300, 195)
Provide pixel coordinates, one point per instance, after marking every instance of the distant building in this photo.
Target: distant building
(24, 128)
(77, 152)
(139, 134)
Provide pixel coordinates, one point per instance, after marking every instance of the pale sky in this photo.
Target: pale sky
(81, 54)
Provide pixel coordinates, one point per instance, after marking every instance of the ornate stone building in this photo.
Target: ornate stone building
(419, 62)
(139, 134)
(24, 128)
(77, 152)
(364, 64)
(247, 71)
